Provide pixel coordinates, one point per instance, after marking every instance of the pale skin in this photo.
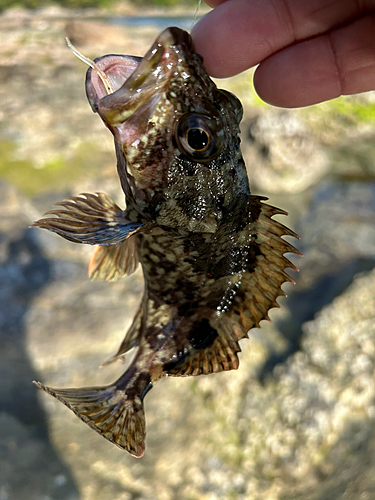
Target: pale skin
(308, 51)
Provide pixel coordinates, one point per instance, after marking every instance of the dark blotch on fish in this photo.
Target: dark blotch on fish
(202, 335)
(211, 253)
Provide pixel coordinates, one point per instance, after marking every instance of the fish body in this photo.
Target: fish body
(211, 254)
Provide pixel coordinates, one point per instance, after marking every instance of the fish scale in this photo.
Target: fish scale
(212, 256)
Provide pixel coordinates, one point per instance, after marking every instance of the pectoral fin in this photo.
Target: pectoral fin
(93, 219)
(113, 262)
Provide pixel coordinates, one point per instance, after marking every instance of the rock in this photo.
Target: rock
(32, 458)
(281, 153)
(25, 448)
(337, 229)
(91, 33)
(307, 430)
(303, 429)
(56, 129)
(353, 157)
(337, 242)
(124, 8)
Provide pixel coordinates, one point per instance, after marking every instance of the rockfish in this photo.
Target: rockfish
(211, 254)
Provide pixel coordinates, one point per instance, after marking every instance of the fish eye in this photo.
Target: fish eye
(200, 137)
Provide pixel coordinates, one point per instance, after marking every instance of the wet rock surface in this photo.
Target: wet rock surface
(30, 467)
(296, 421)
(303, 429)
(286, 156)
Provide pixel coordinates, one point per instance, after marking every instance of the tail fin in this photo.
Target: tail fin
(110, 412)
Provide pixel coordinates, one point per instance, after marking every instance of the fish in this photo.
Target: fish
(211, 253)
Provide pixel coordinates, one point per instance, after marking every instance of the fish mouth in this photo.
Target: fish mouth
(136, 82)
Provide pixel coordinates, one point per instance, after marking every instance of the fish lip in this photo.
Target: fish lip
(94, 87)
(176, 36)
(142, 78)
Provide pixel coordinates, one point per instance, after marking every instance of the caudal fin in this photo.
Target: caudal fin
(108, 411)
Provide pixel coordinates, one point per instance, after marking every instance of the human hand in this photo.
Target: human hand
(308, 51)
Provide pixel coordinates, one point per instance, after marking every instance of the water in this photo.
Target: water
(161, 22)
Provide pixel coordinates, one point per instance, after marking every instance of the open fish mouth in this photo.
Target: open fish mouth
(135, 82)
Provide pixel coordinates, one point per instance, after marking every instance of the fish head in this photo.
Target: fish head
(177, 132)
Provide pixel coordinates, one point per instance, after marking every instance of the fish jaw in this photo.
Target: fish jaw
(135, 79)
(150, 94)
(150, 78)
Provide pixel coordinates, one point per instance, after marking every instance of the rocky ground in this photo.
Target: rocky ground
(297, 420)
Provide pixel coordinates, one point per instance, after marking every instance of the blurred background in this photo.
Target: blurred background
(296, 421)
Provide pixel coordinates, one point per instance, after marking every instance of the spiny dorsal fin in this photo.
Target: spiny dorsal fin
(113, 262)
(261, 285)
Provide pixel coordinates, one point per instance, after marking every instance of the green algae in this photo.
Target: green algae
(58, 172)
(356, 108)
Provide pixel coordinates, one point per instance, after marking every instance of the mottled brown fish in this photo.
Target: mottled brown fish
(211, 254)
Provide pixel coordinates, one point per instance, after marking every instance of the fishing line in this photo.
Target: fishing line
(104, 78)
(195, 15)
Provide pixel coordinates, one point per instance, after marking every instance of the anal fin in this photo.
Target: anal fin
(221, 356)
(211, 349)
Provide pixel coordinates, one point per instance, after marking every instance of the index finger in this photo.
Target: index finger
(239, 34)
